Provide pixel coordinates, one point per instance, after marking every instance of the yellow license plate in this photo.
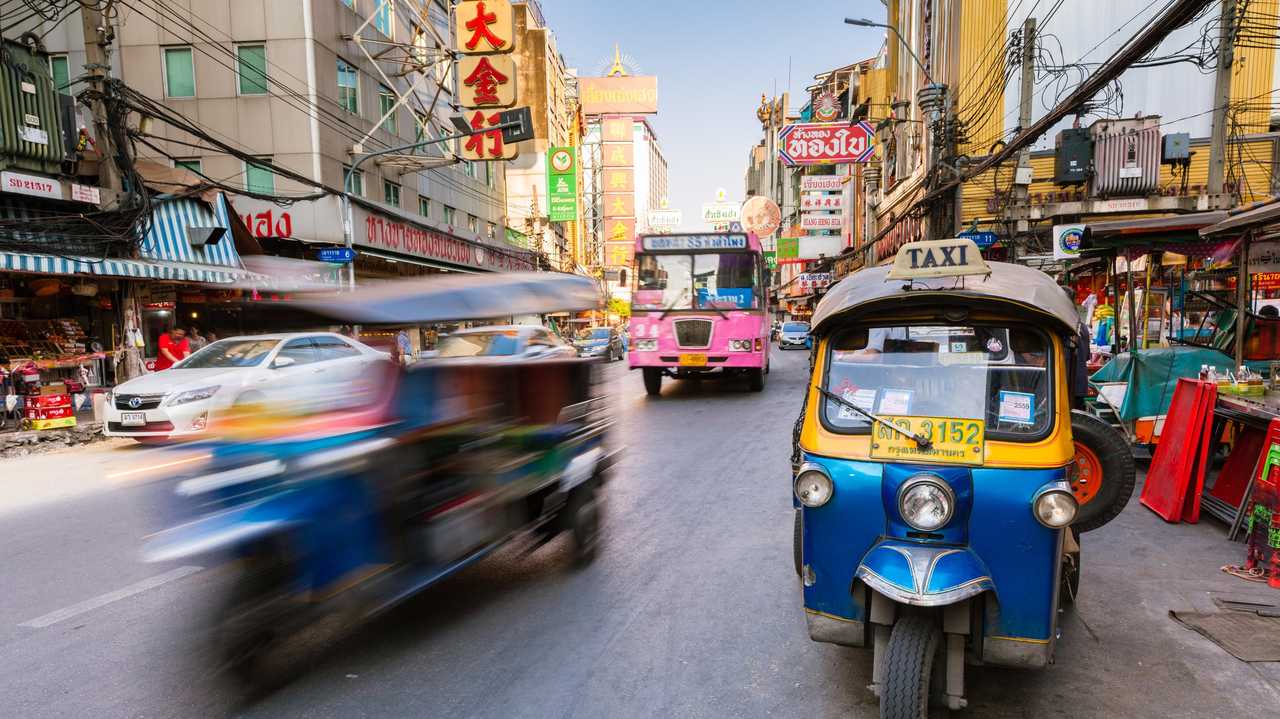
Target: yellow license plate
(693, 360)
(953, 441)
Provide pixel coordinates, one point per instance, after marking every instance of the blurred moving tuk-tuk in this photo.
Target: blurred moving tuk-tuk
(933, 470)
(359, 497)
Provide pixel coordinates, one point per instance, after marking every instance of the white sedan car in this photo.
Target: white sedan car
(182, 400)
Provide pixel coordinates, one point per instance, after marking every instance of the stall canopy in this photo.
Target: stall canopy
(1264, 217)
(166, 252)
(1152, 374)
(1180, 233)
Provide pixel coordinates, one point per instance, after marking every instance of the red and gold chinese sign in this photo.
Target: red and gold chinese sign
(617, 154)
(485, 33)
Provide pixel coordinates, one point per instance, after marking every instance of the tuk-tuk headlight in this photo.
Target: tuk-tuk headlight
(926, 502)
(813, 486)
(1055, 508)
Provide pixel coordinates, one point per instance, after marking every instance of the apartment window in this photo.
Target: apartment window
(190, 165)
(179, 72)
(60, 69)
(386, 101)
(493, 231)
(469, 168)
(391, 192)
(382, 17)
(353, 181)
(251, 61)
(419, 45)
(488, 175)
(419, 127)
(448, 215)
(348, 87)
(472, 223)
(259, 179)
(424, 206)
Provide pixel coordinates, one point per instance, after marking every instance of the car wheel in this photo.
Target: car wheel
(1102, 473)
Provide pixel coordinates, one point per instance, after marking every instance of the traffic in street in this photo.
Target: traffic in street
(691, 609)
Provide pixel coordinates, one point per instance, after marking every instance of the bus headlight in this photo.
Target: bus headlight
(813, 486)
(1055, 508)
(926, 502)
(740, 345)
(645, 345)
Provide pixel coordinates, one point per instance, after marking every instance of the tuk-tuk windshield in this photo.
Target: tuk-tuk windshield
(997, 374)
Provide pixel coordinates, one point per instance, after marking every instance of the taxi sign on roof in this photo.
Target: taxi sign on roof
(938, 258)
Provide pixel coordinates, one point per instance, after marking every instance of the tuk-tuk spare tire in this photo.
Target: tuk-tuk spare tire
(1102, 473)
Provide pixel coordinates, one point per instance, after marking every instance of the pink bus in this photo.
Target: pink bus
(699, 303)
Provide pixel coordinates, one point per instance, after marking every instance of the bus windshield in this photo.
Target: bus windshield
(723, 281)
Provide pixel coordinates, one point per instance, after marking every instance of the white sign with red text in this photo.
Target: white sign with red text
(820, 221)
(820, 201)
(821, 183)
(33, 185)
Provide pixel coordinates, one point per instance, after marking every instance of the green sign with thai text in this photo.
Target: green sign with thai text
(788, 247)
(562, 184)
(771, 259)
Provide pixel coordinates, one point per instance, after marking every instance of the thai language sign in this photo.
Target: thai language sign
(695, 242)
(618, 95)
(562, 184)
(821, 183)
(816, 143)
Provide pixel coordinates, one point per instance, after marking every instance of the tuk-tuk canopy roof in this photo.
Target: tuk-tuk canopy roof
(1031, 291)
(459, 297)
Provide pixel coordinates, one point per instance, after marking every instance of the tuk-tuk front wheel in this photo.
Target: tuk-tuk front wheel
(908, 667)
(1102, 474)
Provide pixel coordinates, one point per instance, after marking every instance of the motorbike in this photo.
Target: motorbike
(936, 521)
(355, 510)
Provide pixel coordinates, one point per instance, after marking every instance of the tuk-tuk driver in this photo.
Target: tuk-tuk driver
(876, 338)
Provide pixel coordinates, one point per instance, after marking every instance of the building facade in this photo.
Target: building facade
(307, 84)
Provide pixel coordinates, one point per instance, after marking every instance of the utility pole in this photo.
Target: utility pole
(97, 42)
(1221, 98)
(1026, 92)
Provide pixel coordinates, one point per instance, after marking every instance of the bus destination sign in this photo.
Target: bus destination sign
(695, 242)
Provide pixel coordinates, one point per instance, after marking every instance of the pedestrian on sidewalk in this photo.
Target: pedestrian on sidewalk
(173, 348)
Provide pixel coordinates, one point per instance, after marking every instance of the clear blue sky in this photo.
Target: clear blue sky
(712, 61)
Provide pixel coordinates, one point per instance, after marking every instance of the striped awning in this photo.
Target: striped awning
(167, 241)
(140, 269)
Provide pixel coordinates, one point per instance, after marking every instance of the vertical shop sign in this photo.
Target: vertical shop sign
(562, 184)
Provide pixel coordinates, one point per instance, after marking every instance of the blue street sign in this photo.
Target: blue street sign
(339, 255)
(982, 239)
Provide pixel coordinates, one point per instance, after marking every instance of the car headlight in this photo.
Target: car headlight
(192, 395)
(1055, 508)
(926, 502)
(813, 486)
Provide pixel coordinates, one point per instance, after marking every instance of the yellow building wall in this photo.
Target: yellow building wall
(980, 95)
(1251, 73)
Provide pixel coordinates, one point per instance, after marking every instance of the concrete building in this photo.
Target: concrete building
(285, 80)
(544, 85)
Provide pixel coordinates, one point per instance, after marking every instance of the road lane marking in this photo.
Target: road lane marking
(154, 467)
(102, 600)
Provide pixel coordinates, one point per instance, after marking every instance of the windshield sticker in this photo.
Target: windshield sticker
(864, 399)
(995, 346)
(895, 401)
(1017, 407)
(959, 347)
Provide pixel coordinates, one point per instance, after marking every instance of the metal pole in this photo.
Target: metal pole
(1242, 300)
(1221, 99)
(1026, 94)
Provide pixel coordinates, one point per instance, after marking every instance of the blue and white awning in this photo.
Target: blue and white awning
(166, 253)
(139, 269)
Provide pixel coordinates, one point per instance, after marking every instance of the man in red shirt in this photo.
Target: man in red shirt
(173, 348)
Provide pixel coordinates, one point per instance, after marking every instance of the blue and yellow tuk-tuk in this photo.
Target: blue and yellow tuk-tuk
(931, 485)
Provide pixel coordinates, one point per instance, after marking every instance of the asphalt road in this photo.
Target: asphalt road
(691, 609)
